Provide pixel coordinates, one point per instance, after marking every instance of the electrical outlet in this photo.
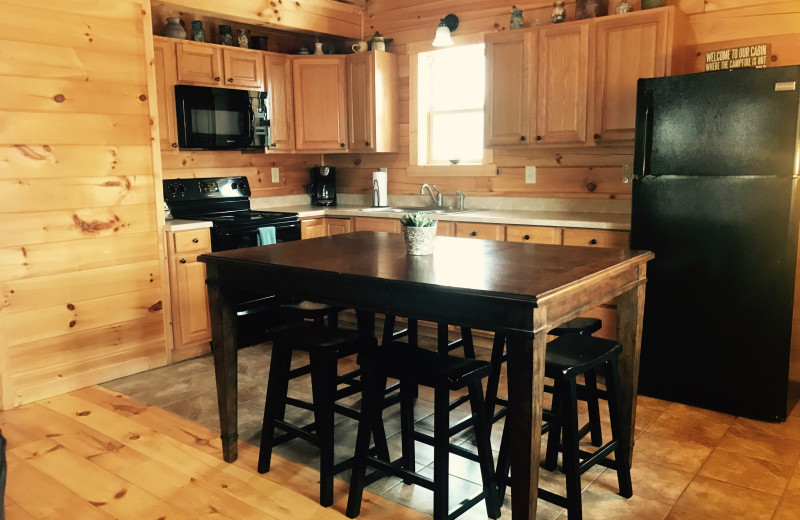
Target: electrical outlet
(627, 173)
(382, 170)
(275, 174)
(530, 175)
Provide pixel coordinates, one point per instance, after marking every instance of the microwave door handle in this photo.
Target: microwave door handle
(251, 124)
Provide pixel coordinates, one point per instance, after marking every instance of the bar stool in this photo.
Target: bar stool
(325, 346)
(442, 372)
(569, 356)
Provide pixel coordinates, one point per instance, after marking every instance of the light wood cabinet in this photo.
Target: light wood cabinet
(509, 61)
(337, 226)
(637, 45)
(202, 63)
(372, 102)
(483, 231)
(278, 72)
(562, 85)
(313, 228)
(595, 237)
(191, 324)
(533, 234)
(166, 77)
(319, 103)
(389, 225)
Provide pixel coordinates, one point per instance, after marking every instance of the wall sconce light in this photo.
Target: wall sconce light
(447, 25)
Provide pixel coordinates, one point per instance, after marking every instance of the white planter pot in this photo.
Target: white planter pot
(419, 240)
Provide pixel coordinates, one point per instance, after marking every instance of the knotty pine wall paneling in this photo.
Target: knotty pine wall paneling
(81, 249)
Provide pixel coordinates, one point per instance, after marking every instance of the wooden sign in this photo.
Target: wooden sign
(756, 55)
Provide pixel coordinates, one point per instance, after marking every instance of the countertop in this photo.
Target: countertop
(614, 221)
(184, 225)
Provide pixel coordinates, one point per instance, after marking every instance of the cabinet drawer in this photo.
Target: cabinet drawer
(484, 231)
(194, 240)
(596, 238)
(533, 234)
(389, 225)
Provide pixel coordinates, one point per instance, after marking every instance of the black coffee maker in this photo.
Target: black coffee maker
(323, 186)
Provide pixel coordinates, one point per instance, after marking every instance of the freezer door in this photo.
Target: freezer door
(738, 122)
(718, 306)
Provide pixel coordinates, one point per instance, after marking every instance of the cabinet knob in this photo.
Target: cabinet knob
(593, 241)
(230, 80)
(527, 237)
(183, 260)
(538, 137)
(174, 145)
(366, 143)
(341, 145)
(195, 240)
(597, 136)
(522, 138)
(474, 233)
(216, 78)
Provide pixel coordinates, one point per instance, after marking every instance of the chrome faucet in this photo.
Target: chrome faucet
(461, 198)
(437, 199)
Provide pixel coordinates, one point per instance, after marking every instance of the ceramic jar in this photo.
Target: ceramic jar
(377, 43)
(225, 36)
(559, 13)
(241, 38)
(174, 29)
(516, 18)
(623, 7)
(198, 33)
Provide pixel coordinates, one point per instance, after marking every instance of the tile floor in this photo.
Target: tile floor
(689, 463)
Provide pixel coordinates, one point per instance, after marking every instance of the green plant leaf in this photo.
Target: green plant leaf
(418, 219)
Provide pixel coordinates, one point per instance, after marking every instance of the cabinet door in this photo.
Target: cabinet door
(166, 77)
(509, 61)
(313, 228)
(628, 48)
(533, 234)
(562, 82)
(361, 101)
(337, 226)
(389, 225)
(279, 90)
(193, 320)
(484, 231)
(199, 63)
(243, 68)
(319, 108)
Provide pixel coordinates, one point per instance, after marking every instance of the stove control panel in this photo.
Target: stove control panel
(204, 189)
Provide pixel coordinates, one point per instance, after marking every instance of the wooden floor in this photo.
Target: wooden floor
(97, 454)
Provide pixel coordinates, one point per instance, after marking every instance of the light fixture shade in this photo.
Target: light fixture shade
(442, 38)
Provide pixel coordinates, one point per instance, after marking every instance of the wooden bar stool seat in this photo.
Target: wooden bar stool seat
(442, 372)
(325, 347)
(569, 356)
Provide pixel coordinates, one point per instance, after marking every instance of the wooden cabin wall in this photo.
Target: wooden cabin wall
(589, 172)
(81, 247)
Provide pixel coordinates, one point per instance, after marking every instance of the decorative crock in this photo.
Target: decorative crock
(174, 29)
(241, 38)
(225, 36)
(198, 33)
(419, 240)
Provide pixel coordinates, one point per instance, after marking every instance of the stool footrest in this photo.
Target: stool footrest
(457, 450)
(597, 457)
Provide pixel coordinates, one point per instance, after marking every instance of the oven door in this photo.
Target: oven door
(240, 238)
(213, 118)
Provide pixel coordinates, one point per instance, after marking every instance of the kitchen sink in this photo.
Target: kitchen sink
(410, 209)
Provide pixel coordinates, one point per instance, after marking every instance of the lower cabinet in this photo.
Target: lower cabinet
(533, 234)
(337, 226)
(484, 231)
(191, 325)
(313, 228)
(389, 225)
(595, 237)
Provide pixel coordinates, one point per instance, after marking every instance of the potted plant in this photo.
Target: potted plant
(419, 232)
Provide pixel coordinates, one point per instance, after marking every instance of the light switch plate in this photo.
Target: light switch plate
(627, 173)
(275, 174)
(382, 169)
(530, 175)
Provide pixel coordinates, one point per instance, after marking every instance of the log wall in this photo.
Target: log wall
(81, 244)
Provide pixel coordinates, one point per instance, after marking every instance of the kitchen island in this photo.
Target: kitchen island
(520, 290)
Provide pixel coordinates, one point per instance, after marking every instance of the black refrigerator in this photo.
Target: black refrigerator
(715, 198)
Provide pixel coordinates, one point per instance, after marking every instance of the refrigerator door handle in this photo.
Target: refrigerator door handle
(646, 142)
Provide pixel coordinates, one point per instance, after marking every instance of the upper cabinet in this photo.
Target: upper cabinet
(164, 62)
(207, 64)
(319, 103)
(372, 100)
(278, 69)
(638, 45)
(574, 83)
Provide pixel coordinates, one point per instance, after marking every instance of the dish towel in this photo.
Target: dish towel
(266, 236)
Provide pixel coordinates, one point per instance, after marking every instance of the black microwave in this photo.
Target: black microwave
(212, 118)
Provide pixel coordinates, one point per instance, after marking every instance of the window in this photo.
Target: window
(450, 96)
